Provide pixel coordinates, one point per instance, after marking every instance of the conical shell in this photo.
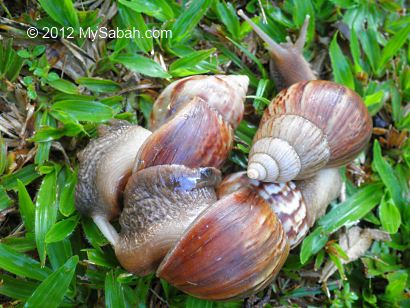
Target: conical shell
(160, 203)
(196, 136)
(234, 248)
(285, 200)
(224, 93)
(326, 124)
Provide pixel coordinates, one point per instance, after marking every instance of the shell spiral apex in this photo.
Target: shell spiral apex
(225, 93)
(308, 126)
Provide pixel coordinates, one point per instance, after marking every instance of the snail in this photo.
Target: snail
(236, 246)
(196, 130)
(297, 204)
(105, 166)
(221, 240)
(309, 125)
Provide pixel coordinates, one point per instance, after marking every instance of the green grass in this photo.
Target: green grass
(51, 256)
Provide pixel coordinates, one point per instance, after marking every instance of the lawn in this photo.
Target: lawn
(60, 78)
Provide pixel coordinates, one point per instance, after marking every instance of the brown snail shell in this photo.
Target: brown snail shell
(284, 198)
(224, 93)
(160, 203)
(195, 136)
(233, 249)
(308, 126)
(297, 204)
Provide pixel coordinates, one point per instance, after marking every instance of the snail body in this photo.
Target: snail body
(160, 203)
(105, 166)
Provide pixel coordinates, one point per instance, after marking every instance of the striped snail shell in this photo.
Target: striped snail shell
(197, 117)
(224, 93)
(308, 126)
(298, 204)
(233, 249)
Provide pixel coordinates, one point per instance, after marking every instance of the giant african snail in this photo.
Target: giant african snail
(310, 125)
(214, 249)
(199, 114)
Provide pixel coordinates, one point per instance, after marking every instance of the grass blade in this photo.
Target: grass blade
(46, 212)
(341, 69)
(114, 294)
(26, 206)
(354, 208)
(187, 21)
(50, 292)
(89, 111)
(387, 174)
(21, 265)
(142, 65)
(16, 288)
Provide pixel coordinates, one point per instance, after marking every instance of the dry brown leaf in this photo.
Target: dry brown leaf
(355, 242)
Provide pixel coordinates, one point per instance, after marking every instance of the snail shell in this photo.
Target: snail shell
(196, 136)
(160, 203)
(308, 126)
(297, 204)
(224, 93)
(234, 248)
(284, 198)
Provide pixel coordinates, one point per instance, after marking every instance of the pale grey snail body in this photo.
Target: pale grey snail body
(221, 240)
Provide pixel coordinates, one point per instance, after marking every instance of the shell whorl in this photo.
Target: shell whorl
(285, 199)
(224, 93)
(325, 124)
(294, 155)
(228, 268)
(196, 136)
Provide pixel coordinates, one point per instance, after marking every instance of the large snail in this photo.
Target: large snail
(200, 134)
(211, 239)
(308, 125)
